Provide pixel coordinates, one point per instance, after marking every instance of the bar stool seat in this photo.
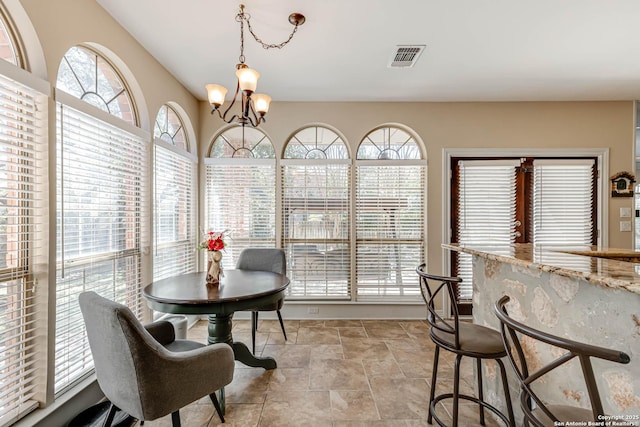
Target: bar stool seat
(473, 339)
(462, 339)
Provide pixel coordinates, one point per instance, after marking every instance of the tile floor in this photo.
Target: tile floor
(340, 373)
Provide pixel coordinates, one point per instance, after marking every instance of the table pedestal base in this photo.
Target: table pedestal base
(220, 331)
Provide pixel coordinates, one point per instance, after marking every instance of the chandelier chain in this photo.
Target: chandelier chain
(240, 18)
(270, 45)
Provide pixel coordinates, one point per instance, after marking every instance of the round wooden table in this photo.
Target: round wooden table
(238, 290)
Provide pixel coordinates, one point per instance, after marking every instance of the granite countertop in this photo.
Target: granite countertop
(608, 267)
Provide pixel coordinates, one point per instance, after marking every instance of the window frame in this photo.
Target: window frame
(415, 157)
(602, 205)
(134, 193)
(317, 260)
(33, 259)
(179, 154)
(255, 154)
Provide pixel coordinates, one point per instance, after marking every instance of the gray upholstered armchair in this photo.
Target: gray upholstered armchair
(264, 259)
(146, 372)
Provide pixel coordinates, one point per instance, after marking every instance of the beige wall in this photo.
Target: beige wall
(527, 125)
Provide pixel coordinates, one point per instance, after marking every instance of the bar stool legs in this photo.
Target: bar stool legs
(505, 385)
(509, 420)
(480, 392)
(434, 376)
(456, 389)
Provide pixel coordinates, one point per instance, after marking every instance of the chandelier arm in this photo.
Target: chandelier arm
(271, 45)
(217, 110)
(232, 118)
(233, 101)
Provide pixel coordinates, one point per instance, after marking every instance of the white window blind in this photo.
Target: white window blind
(316, 218)
(486, 211)
(101, 177)
(174, 234)
(240, 197)
(389, 229)
(563, 201)
(23, 249)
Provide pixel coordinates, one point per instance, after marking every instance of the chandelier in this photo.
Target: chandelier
(254, 106)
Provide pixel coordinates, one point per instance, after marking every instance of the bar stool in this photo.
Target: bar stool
(542, 414)
(462, 339)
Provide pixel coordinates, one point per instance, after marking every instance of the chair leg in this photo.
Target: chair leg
(254, 327)
(507, 394)
(456, 390)
(214, 399)
(175, 418)
(434, 376)
(480, 391)
(282, 324)
(108, 419)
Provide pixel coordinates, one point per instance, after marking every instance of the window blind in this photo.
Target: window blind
(240, 197)
(101, 178)
(563, 201)
(23, 201)
(389, 229)
(174, 236)
(316, 217)
(486, 211)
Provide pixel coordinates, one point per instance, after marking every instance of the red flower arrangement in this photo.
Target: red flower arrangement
(213, 241)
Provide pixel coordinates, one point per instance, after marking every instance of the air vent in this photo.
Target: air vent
(405, 56)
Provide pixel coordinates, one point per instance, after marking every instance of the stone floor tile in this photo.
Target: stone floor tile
(336, 373)
(328, 374)
(316, 335)
(353, 405)
(286, 408)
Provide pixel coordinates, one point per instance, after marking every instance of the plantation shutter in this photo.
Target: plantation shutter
(486, 211)
(389, 229)
(102, 169)
(316, 218)
(240, 197)
(175, 246)
(23, 238)
(563, 201)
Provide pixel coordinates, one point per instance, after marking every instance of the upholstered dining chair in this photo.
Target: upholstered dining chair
(145, 371)
(462, 339)
(264, 259)
(538, 411)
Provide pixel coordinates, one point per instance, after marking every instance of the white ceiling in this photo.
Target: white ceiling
(477, 50)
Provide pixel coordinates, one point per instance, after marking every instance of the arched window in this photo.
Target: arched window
(88, 76)
(169, 128)
(102, 161)
(390, 208)
(9, 49)
(241, 190)
(173, 201)
(316, 213)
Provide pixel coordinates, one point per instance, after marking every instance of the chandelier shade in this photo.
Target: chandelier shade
(253, 106)
(216, 94)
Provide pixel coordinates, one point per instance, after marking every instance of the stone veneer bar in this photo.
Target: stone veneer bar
(561, 290)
